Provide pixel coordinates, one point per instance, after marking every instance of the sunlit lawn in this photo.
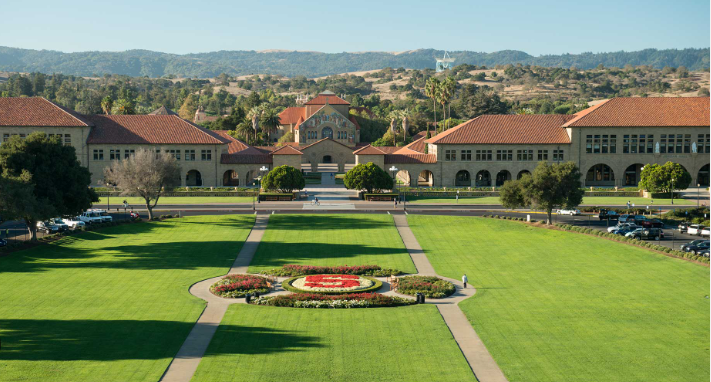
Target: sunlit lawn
(110, 305)
(346, 239)
(259, 343)
(559, 306)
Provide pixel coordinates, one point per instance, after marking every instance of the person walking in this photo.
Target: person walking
(465, 280)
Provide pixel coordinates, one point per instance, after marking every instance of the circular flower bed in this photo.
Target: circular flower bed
(430, 286)
(239, 285)
(331, 284)
(353, 300)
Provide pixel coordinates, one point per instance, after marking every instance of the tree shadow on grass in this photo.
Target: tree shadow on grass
(108, 340)
(276, 254)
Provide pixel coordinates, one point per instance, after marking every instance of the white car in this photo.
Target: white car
(73, 222)
(695, 229)
(105, 217)
(705, 232)
(90, 217)
(621, 225)
(568, 212)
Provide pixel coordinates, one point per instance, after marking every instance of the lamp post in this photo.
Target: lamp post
(698, 194)
(672, 190)
(394, 170)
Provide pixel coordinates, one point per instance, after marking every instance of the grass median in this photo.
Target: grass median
(560, 306)
(137, 202)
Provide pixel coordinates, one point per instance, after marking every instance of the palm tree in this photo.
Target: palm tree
(432, 91)
(254, 114)
(405, 114)
(447, 88)
(106, 104)
(244, 129)
(394, 116)
(270, 121)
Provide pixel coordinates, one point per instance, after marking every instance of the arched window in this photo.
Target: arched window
(327, 132)
(463, 178)
(483, 179)
(600, 175)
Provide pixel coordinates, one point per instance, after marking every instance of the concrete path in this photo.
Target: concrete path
(482, 364)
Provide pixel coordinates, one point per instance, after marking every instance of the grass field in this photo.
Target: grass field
(331, 240)
(165, 200)
(560, 306)
(590, 201)
(110, 305)
(258, 343)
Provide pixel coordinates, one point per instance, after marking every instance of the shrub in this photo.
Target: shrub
(430, 286)
(300, 270)
(239, 285)
(351, 300)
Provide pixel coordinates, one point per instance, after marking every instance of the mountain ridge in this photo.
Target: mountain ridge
(142, 62)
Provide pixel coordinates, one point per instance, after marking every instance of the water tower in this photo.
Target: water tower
(444, 63)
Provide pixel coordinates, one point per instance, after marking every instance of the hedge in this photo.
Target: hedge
(351, 300)
(291, 270)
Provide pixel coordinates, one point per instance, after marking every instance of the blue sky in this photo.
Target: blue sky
(536, 27)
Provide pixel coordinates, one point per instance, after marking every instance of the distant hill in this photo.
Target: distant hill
(314, 64)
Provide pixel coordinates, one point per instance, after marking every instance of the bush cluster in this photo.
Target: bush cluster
(430, 286)
(514, 218)
(167, 216)
(233, 286)
(313, 300)
(629, 240)
(300, 270)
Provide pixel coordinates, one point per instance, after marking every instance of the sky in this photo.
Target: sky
(177, 26)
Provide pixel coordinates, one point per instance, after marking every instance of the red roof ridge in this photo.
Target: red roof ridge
(324, 139)
(369, 150)
(286, 150)
(582, 113)
(646, 112)
(323, 99)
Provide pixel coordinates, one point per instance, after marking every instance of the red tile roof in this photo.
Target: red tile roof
(507, 129)
(410, 158)
(235, 145)
(286, 150)
(291, 115)
(37, 112)
(149, 129)
(321, 140)
(330, 99)
(369, 150)
(645, 112)
(418, 142)
(245, 159)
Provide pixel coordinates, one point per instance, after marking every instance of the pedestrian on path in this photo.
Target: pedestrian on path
(465, 280)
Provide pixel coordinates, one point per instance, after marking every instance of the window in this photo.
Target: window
(678, 143)
(157, 153)
(115, 154)
(206, 155)
(67, 140)
(558, 155)
(466, 155)
(504, 155)
(596, 145)
(702, 144)
(589, 144)
(542, 154)
(5, 137)
(687, 143)
(633, 145)
(128, 153)
(625, 144)
(613, 144)
(22, 136)
(642, 143)
(189, 155)
(174, 153)
(98, 154)
(483, 155)
(650, 144)
(450, 155)
(524, 155)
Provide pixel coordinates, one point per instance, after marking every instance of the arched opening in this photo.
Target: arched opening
(483, 179)
(403, 177)
(522, 173)
(193, 178)
(426, 179)
(703, 178)
(600, 175)
(327, 159)
(463, 178)
(502, 177)
(327, 132)
(632, 174)
(230, 178)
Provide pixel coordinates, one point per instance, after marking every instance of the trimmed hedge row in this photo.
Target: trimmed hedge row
(377, 284)
(353, 300)
(300, 270)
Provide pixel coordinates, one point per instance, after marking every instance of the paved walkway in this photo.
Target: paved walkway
(483, 365)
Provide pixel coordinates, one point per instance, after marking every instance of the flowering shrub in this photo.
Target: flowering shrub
(312, 300)
(430, 286)
(299, 270)
(331, 284)
(239, 285)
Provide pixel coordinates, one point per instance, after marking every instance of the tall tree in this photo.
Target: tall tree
(188, 109)
(107, 104)
(446, 92)
(432, 91)
(145, 174)
(43, 180)
(254, 114)
(550, 186)
(369, 177)
(666, 178)
(270, 121)
(284, 179)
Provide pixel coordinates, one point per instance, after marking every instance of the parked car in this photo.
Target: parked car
(653, 223)
(105, 217)
(685, 247)
(59, 223)
(646, 234)
(90, 217)
(639, 219)
(3, 242)
(695, 229)
(608, 215)
(703, 252)
(568, 212)
(73, 222)
(683, 226)
(624, 230)
(47, 227)
(698, 247)
(705, 232)
(621, 225)
(626, 218)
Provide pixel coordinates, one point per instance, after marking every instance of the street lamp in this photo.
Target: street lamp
(394, 170)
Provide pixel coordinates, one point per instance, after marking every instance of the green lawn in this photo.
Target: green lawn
(140, 202)
(110, 305)
(345, 239)
(560, 306)
(590, 201)
(260, 343)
